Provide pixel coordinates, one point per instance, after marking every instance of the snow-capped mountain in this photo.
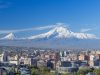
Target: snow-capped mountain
(10, 36)
(63, 32)
(58, 32)
(57, 37)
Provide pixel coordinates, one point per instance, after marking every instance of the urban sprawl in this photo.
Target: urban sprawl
(31, 61)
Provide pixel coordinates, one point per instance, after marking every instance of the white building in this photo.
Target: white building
(25, 60)
(13, 59)
(3, 57)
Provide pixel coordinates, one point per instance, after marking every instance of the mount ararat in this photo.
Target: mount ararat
(57, 37)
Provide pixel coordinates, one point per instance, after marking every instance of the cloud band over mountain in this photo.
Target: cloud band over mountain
(58, 30)
(30, 29)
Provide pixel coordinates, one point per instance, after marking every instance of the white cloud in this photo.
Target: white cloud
(81, 34)
(30, 29)
(85, 29)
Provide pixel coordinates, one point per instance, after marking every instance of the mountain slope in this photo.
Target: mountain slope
(63, 32)
(58, 32)
(10, 36)
(58, 37)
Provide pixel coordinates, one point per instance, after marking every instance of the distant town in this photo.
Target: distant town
(36, 61)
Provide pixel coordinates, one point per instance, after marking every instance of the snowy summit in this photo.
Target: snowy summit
(10, 36)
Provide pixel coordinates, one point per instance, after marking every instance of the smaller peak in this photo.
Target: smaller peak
(10, 36)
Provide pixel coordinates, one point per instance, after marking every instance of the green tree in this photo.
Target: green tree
(34, 71)
(97, 71)
(17, 74)
(83, 71)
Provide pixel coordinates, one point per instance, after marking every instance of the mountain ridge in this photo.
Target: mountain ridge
(9, 36)
(56, 32)
(59, 37)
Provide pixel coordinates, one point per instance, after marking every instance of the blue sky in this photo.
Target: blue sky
(80, 15)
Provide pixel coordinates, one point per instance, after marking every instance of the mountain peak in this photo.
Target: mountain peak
(10, 36)
(63, 32)
(59, 31)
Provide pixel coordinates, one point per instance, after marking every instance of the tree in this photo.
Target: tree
(97, 71)
(83, 71)
(34, 71)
